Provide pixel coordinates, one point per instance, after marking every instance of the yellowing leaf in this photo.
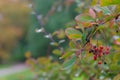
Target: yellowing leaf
(71, 44)
(84, 17)
(117, 9)
(116, 57)
(109, 2)
(117, 77)
(56, 52)
(94, 2)
(85, 20)
(67, 54)
(73, 33)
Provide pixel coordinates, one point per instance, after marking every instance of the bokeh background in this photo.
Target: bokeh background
(18, 35)
(18, 27)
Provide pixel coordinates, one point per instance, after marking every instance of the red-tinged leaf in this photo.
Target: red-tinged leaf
(92, 13)
(100, 14)
(73, 33)
(111, 23)
(107, 18)
(116, 42)
(85, 20)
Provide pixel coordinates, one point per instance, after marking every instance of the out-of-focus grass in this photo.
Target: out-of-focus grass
(5, 66)
(23, 75)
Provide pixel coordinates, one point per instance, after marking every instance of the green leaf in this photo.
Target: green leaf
(105, 10)
(56, 52)
(67, 54)
(117, 9)
(71, 44)
(84, 37)
(73, 33)
(78, 78)
(109, 2)
(85, 19)
(116, 57)
(114, 67)
(68, 64)
(100, 27)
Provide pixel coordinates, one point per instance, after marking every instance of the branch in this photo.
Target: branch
(94, 32)
(40, 21)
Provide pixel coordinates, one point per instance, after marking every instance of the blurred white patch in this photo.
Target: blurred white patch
(52, 43)
(102, 77)
(39, 16)
(117, 20)
(44, 74)
(39, 30)
(61, 41)
(48, 36)
(59, 9)
(33, 13)
(116, 37)
(77, 74)
(30, 5)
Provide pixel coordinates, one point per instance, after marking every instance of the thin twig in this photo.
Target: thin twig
(40, 21)
(94, 31)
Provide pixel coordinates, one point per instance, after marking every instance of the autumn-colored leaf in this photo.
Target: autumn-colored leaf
(109, 2)
(92, 13)
(85, 20)
(117, 77)
(111, 23)
(73, 33)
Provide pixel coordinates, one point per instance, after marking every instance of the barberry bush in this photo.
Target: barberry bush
(93, 48)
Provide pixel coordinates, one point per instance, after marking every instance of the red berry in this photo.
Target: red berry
(100, 51)
(99, 62)
(107, 48)
(107, 52)
(100, 54)
(95, 57)
(101, 47)
(96, 49)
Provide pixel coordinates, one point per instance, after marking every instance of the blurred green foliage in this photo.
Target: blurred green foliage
(37, 43)
(18, 26)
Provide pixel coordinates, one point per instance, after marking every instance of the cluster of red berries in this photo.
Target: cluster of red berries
(99, 52)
